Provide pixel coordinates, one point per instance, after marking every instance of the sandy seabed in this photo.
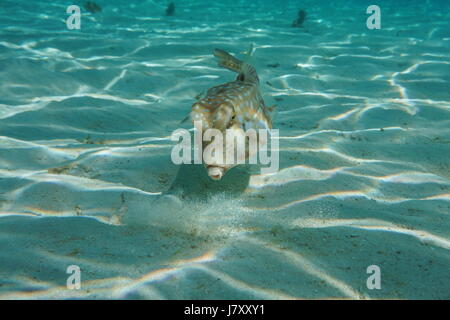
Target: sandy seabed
(86, 176)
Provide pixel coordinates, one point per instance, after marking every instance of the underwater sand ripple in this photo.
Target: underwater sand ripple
(364, 175)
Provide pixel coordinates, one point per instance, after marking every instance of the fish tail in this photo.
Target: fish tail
(246, 71)
(227, 61)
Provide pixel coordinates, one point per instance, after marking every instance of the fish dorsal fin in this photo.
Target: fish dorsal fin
(248, 54)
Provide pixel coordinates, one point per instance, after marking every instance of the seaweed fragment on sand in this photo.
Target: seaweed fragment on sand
(170, 10)
(301, 17)
(92, 7)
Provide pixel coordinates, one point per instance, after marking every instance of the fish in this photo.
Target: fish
(301, 17)
(170, 10)
(234, 106)
(92, 7)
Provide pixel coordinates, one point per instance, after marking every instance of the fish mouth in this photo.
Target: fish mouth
(216, 173)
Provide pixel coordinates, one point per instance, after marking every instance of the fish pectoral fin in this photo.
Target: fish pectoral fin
(223, 116)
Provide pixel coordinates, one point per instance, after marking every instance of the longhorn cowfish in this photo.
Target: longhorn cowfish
(236, 105)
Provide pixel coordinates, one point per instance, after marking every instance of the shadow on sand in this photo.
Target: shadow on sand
(192, 182)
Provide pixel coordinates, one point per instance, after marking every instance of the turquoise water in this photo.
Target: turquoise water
(86, 176)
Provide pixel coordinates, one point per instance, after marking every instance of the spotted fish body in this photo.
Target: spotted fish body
(236, 105)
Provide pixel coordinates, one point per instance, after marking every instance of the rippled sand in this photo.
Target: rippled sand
(86, 177)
